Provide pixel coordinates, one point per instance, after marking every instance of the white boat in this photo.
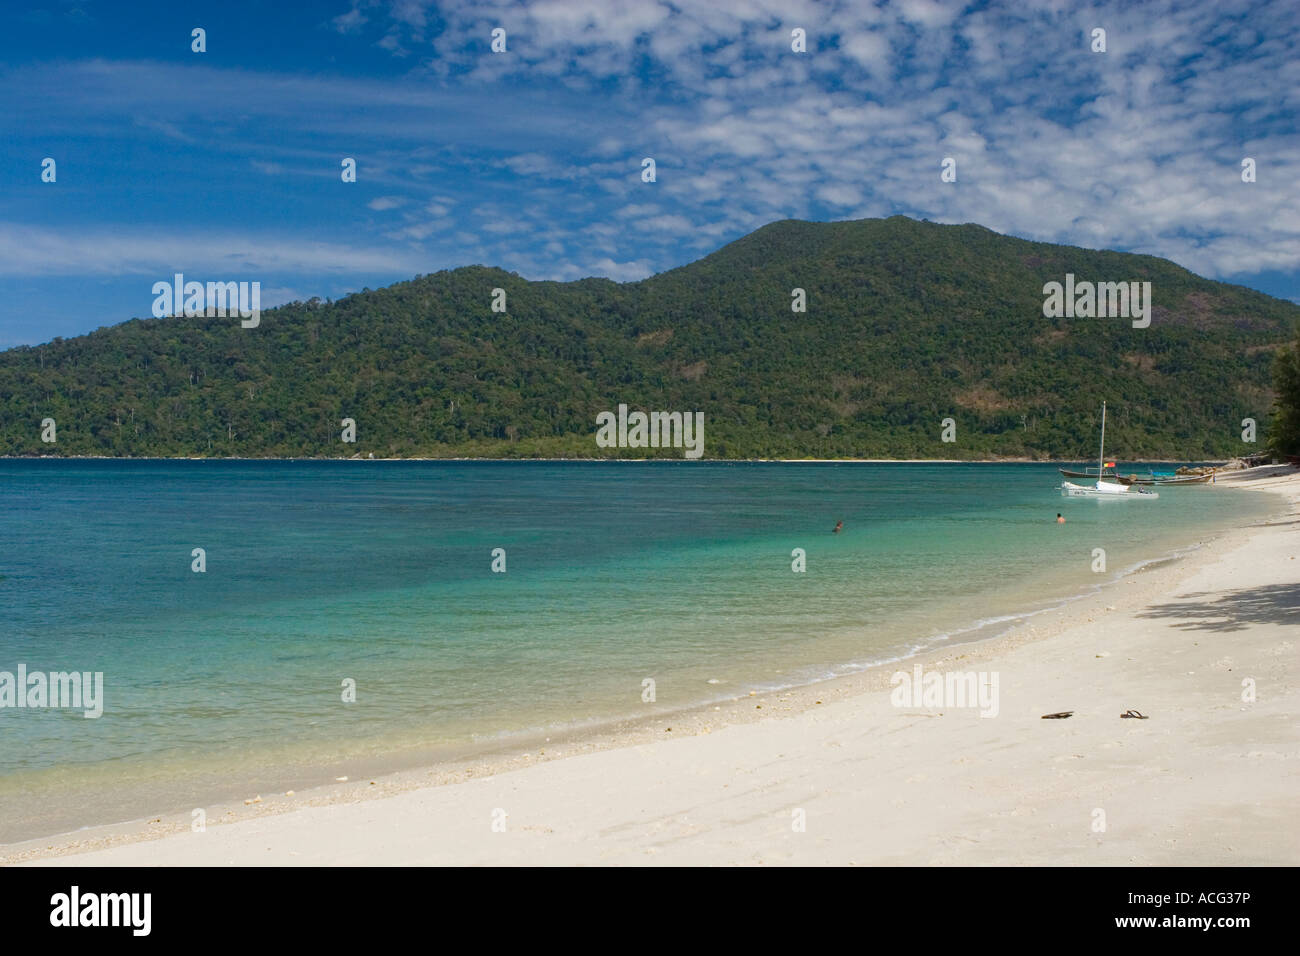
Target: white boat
(1105, 489)
(1109, 490)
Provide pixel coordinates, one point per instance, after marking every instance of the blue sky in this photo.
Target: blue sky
(225, 165)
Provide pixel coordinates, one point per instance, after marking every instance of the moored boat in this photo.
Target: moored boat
(1181, 480)
(1106, 489)
(1113, 490)
(1107, 475)
(1150, 478)
(1181, 477)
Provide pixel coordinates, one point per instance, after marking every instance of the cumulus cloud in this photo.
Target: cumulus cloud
(1137, 148)
(534, 160)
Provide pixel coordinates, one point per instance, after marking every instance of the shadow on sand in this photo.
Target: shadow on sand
(1257, 474)
(1232, 611)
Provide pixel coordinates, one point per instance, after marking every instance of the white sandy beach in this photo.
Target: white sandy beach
(1208, 779)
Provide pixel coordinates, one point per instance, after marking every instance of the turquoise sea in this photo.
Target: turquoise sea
(230, 682)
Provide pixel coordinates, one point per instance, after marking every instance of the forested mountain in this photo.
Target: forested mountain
(907, 323)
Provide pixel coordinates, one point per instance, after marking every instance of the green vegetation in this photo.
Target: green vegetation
(1284, 433)
(908, 323)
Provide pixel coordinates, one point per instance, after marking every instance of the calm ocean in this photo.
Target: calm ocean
(381, 573)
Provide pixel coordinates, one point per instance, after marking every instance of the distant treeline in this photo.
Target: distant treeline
(907, 324)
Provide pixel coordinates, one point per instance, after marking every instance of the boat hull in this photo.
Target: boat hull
(1186, 480)
(1152, 479)
(1104, 491)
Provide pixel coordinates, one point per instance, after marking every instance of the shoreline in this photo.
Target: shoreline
(531, 754)
(768, 461)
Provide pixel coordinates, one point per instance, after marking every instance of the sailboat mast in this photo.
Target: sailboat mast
(1101, 451)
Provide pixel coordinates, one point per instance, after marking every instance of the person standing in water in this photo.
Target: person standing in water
(1060, 519)
(838, 526)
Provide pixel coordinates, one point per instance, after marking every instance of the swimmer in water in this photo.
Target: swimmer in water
(838, 525)
(1059, 518)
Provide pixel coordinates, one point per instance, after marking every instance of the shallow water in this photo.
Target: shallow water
(381, 573)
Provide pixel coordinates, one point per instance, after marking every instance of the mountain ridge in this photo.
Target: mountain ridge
(908, 323)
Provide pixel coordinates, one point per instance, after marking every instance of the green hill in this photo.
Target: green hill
(907, 323)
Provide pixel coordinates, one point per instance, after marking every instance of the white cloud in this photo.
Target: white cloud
(34, 251)
(1138, 148)
(606, 267)
(349, 22)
